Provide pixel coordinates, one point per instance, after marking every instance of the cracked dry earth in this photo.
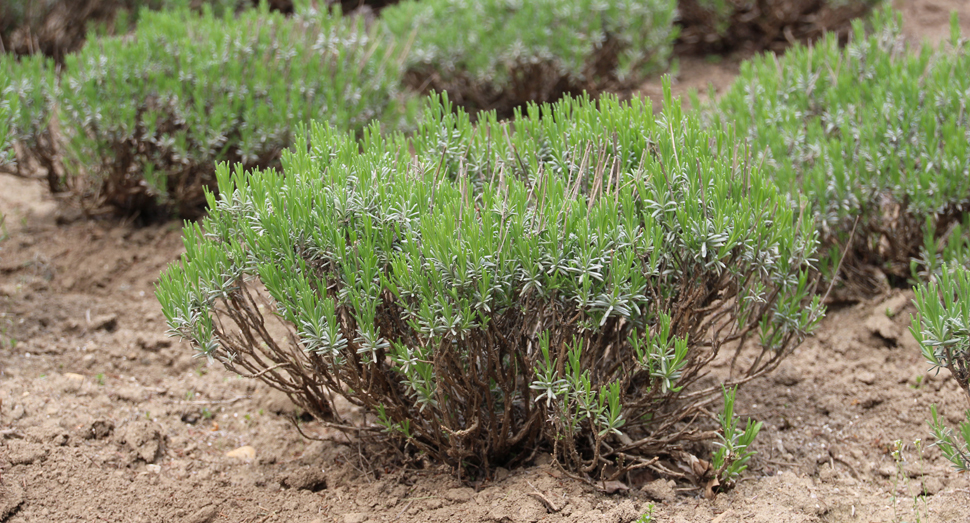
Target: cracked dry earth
(103, 418)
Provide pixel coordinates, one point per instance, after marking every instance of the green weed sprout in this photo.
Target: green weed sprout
(942, 330)
(561, 280)
(494, 54)
(646, 517)
(732, 456)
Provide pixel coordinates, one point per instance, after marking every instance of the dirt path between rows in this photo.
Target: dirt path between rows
(103, 418)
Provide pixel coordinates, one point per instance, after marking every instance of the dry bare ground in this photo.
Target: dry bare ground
(103, 418)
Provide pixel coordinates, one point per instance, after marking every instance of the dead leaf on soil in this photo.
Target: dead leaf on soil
(612, 487)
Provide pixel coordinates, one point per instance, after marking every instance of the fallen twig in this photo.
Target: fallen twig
(14, 433)
(208, 402)
(412, 500)
(543, 499)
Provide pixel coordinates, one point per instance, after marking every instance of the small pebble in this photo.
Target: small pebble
(245, 452)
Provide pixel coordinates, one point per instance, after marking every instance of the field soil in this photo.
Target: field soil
(104, 418)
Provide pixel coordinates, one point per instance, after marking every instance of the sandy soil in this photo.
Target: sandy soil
(929, 20)
(103, 418)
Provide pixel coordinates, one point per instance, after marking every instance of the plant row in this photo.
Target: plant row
(564, 280)
(56, 28)
(146, 116)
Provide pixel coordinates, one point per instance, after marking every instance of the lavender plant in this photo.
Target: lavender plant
(148, 116)
(496, 54)
(559, 281)
(8, 106)
(942, 323)
(875, 136)
(31, 94)
(941, 327)
(956, 448)
(720, 25)
(948, 247)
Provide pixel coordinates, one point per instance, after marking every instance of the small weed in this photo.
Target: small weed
(900, 475)
(901, 478)
(921, 496)
(732, 455)
(646, 517)
(100, 379)
(5, 339)
(206, 413)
